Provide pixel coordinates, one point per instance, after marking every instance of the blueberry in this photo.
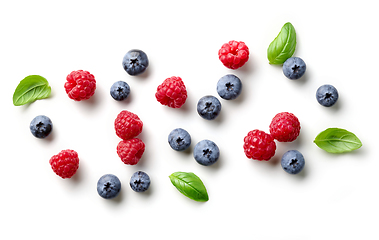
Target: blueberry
(208, 107)
(206, 152)
(292, 161)
(108, 186)
(327, 95)
(41, 126)
(120, 90)
(140, 181)
(229, 87)
(294, 68)
(135, 62)
(179, 139)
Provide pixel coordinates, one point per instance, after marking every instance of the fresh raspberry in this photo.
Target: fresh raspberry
(127, 125)
(259, 145)
(130, 151)
(233, 54)
(80, 85)
(285, 127)
(65, 163)
(172, 92)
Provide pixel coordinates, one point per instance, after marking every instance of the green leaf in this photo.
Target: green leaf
(31, 88)
(337, 140)
(190, 185)
(283, 45)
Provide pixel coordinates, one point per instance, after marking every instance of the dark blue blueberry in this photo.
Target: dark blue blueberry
(206, 152)
(108, 186)
(179, 139)
(120, 90)
(140, 181)
(135, 62)
(293, 161)
(41, 126)
(229, 87)
(327, 95)
(294, 68)
(208, 107)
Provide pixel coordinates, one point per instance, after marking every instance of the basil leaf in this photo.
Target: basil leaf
(337, 140)
(31, 88)
(283, 45)
(190, 185)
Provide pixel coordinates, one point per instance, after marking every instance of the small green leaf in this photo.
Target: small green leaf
(337, 140)
(283, 46)
(190, 185)
(31, 88)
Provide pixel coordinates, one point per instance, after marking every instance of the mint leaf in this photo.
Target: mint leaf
(31, 88)
(337, 140)
(190, 185)
(283, 46)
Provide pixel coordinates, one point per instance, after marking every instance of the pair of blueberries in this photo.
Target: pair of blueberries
(206, 152)
(109, 186)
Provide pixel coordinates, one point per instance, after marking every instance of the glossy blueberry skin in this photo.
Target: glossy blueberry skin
(140, 181)
(41, 126)
(292, 162)
(229, 87)
(327, 95)
(120, 90)
(206, 152)
(208, 107)
(135, 62)
(294, 68)
(179, 139)
(108, 186)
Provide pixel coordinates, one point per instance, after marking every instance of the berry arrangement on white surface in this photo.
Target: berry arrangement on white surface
(172, 92)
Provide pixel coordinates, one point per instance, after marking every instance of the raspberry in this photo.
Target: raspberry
(172, 92)
(80, 85)
(130, 151)
(285, 127)
(65, 163)
(259, 145)
(127, 125)
(233, 54)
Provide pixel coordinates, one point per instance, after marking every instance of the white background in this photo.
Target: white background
(335, 197)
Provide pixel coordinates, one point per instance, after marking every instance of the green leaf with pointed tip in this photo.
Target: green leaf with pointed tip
(31, 88)
(337, 140)
(190, 185)
(283, 46)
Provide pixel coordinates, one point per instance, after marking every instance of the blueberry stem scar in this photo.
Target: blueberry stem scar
(293, 163)
(296, 68)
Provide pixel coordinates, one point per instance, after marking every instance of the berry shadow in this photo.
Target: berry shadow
(143, 76)
(92, 101)
(248, 67)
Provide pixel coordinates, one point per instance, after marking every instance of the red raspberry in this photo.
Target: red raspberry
(80, 85)
(65, 163)
(127, 125)
(233, 54)
(285, 127)
(259, 145)
(130, 151)
(172, 92)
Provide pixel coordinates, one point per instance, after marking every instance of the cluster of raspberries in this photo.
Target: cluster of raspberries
(128, 126)
(258, 145)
